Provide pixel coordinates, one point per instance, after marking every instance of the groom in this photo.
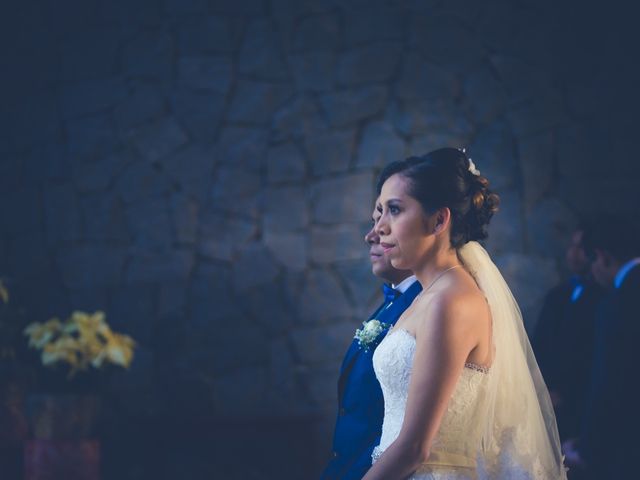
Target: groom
(360, 402)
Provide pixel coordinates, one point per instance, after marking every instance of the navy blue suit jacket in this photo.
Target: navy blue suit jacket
(610, 438)
(360, 402)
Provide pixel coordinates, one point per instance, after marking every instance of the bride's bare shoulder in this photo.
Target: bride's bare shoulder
(455, 309)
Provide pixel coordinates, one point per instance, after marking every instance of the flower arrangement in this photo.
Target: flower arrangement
(83, 340)
(369, 333)
(4, 293)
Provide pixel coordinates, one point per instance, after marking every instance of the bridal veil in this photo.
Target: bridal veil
(519, 432)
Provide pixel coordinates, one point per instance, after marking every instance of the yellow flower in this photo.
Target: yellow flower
(4, 293)
(81, 341)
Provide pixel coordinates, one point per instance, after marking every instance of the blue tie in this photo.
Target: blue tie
(390, 294)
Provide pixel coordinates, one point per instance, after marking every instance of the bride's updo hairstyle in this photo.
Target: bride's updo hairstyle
(447, 178)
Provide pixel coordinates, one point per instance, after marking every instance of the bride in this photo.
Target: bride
(464, 398)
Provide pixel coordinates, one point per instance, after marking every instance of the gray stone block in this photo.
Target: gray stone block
(347, 107)
(493, 152)
(242, 147)
(286, 209)
(446, 41)
(90, 137)
(297, 119)
(241, 393)
(91, 265)
(91, 96)
(523, 82)
(200, 112)
(181, 7)
(62, 214)
(46, 162)
(212, 304)
(329, 151)
(253, 267)
(184, 219)
(170, 265)
(347, 198)
(484, 95)
(146, 102)
(140, 181)
(254, 103)
(21, 210)
(149, 224)
(220, 237)
(317, 32)
(429, 116)
(172, 300)
(322, 299)
(369, 23)
(311, 70)
(27, 256)
(289, 249)
(103, 218)
(577, 153)
(89, 54)
(550, 224)
(379, 146)
(231, 186)
(282, 393)
(321, 382)
(285, 163)
(336, 243)
(529, 277)
(498, 24)
(261, 54)
(206, 34)
(267, 307)
(190, 170)
(506, 230)
(375, 63)
(132, 311)
(235, 345)
(90, 299)
(324, 344)
(155, 140)
(99, 175)
(149, 55)
(537, 164)
(539, 115)
(206, 72)
(424, 80)
(362, 285)
(425, 143)
(247, 7)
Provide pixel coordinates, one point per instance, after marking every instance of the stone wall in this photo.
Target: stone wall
(203, 171)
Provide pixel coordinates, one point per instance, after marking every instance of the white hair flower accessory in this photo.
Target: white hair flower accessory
(473, 169)
(472, 166)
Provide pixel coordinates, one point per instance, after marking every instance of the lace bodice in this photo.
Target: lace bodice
(458, 438)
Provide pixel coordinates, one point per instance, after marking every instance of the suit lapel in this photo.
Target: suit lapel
(386, 314)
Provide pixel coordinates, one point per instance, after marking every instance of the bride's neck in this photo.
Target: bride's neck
(434, 266)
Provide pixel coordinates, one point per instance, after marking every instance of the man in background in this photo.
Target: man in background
(563, 339)
(610, 432)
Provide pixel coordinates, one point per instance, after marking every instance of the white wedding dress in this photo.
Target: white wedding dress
(453, 454)
(499, 423)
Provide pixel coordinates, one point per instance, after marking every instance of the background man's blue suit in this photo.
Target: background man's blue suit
(360, 402)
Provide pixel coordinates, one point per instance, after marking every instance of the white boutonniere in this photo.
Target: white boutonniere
(369, 333)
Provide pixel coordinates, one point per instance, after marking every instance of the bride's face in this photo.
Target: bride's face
(405, 229)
